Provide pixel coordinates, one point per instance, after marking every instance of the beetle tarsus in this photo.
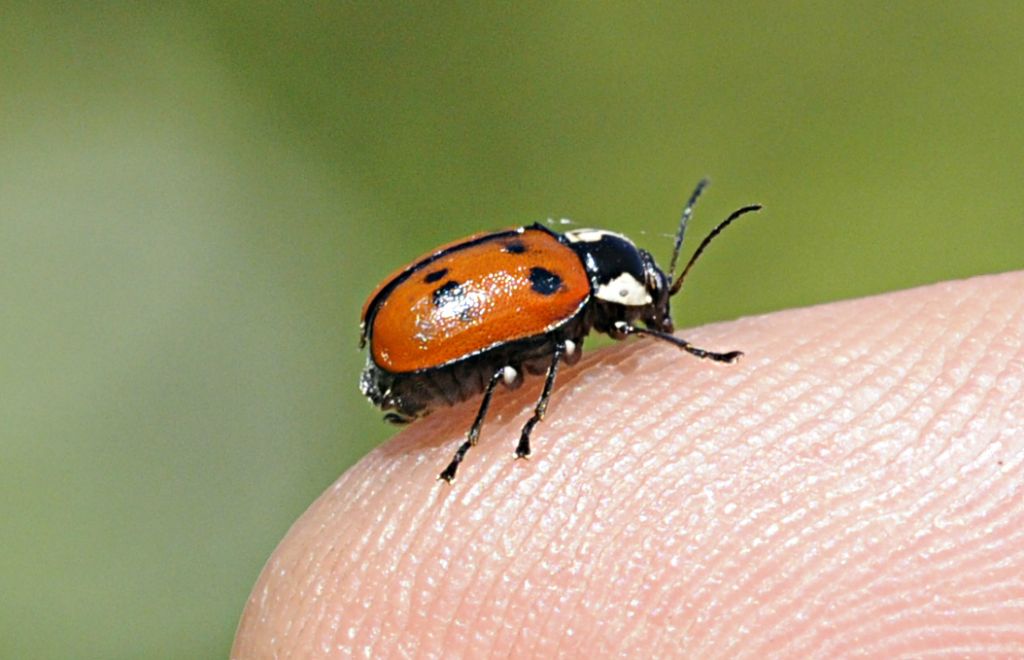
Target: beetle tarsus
(448, 474)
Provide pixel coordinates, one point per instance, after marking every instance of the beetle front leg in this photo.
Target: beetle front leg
(730, 357)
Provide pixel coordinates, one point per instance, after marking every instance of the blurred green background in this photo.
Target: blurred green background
(195, 198)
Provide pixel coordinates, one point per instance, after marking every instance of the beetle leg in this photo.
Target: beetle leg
(398, 419)
(448, 474)
(523, 450)
(729, 357)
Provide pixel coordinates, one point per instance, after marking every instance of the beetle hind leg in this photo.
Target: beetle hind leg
(448, 474)
(398, 419)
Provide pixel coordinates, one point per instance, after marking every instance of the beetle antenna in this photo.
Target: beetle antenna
(678, 284)
(683, 221)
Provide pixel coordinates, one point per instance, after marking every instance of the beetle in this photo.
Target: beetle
(486, 309)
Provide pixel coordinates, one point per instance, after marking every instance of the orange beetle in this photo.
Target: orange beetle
(484, 310)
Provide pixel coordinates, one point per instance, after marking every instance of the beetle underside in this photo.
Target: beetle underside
(418, 393)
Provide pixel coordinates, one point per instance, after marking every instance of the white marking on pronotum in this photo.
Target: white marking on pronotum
(591, 235)
(509, 375)
(625, 290)
(570, 347)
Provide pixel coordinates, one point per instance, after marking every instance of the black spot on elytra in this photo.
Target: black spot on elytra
(447, 292)
(543, 281)
(435, 276)
(514, 247)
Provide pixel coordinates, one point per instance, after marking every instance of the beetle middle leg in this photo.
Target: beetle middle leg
(523, 450)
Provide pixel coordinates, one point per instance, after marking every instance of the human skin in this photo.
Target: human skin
(854, 485)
